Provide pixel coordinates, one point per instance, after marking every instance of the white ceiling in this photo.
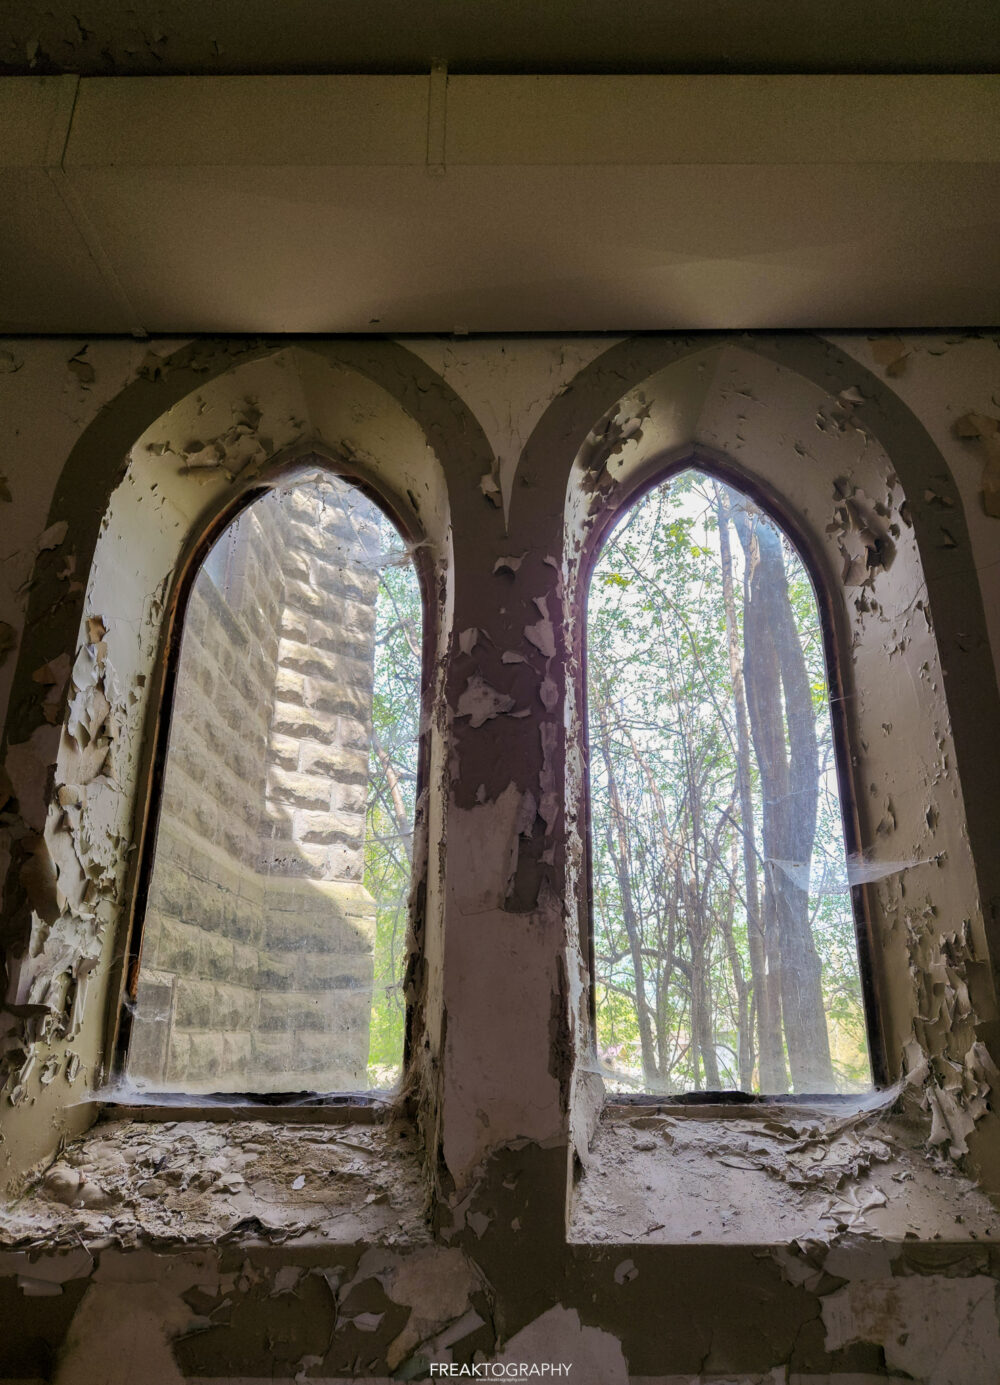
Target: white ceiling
(497, 203)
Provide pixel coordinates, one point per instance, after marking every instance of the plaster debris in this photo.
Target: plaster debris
(779, 1174)
(205, 1181)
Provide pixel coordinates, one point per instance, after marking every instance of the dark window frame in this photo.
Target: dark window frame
(248, 1104)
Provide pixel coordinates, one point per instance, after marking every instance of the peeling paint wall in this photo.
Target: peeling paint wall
(498, 1215)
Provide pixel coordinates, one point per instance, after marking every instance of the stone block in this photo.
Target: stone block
(150, 1039)
(346, 764)
(289, 686)
(295, 860)
(301, 790)
(329, 829)
(204, 1061)
(277, 971)
(347, 797)
(339, 698)
(359, 615)
(302, 722)
(274, 1054)
(344, 863)
(237, 1061)
(178, 948)
(315, 1062)
(214, 1005)
(340, 579)
(294, 625)
(298, 969)
(338, 933)
(302, 596)
(215, 957)
(328, 1011)
(285, 751)
(242, 919)
(246, 966)
(177, 1069)
(353, 733)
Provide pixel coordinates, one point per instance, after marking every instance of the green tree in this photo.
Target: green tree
(723, 943)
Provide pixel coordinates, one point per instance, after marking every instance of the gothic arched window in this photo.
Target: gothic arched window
(725, 914)
(273, 896)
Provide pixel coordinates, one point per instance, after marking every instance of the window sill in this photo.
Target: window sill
(769, 1174)
(281, 1174)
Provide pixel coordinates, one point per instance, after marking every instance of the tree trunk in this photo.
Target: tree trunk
(783, 728)
(618, 847)
(772, 1077)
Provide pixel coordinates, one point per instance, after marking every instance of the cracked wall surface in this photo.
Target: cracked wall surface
(495, 1214)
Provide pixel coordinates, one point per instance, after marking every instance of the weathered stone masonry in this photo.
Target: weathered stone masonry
(257, 953)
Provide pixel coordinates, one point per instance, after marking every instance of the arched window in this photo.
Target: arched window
(726, 951)
(273, 899)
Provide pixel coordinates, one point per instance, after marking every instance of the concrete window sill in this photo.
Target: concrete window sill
(131, 1182)
(770, 1175)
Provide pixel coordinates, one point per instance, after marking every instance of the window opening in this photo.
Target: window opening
(274, 931)
(724, 938)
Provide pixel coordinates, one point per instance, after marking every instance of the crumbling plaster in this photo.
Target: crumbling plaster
(504, 461)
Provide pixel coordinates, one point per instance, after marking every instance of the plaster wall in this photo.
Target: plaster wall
(504, 459)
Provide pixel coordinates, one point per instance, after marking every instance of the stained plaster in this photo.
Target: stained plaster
(504, 1102)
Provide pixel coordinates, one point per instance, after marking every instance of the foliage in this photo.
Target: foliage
(392, 778)
(675, 997)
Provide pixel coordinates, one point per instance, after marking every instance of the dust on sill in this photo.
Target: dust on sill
(140, 1182)
(770, 1175)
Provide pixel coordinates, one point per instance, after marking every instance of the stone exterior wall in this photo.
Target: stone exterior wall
(256, 970)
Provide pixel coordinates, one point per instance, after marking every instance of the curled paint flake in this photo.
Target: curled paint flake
(542, 633)
(481, 703)
(986, 430)
(891, 354)
(490, 489)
